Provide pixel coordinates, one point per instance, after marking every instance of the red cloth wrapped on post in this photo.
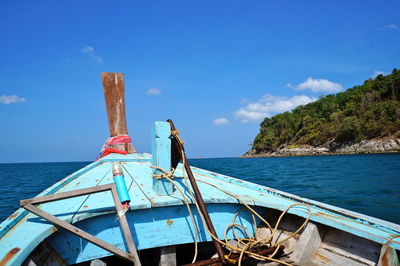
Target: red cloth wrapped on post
(106, 149)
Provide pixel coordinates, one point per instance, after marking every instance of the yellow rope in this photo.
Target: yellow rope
(175, 133)
(164, 173)
(251, 241)
(261, 242)
(169, 175)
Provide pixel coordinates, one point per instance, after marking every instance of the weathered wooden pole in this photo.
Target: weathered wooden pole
(179, 153)
(114, 94)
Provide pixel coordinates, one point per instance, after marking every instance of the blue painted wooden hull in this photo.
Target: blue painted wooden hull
(157, 220)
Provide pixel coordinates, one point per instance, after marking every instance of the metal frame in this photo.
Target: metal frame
(132, 256)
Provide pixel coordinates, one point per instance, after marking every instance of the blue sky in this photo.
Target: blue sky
(215, 67)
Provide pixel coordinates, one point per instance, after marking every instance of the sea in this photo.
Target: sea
(365, 183)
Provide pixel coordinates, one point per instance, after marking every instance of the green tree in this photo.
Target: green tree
(362, 112)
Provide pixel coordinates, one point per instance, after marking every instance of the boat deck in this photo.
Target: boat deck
(23, 231)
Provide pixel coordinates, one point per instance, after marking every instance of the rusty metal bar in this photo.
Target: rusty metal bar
(213, 261)
(204, 211)
(199, 198)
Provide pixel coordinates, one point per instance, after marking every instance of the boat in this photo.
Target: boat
(135, 208)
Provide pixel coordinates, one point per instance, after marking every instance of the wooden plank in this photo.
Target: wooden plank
(76, 231)
(65, 195)
(167, 256)
(388, 257)
(97, 262)
(352, 244)
(151, 228)
(114, 94)
(124, 224)
(125, 227)
(330, 255)
(307, 245)
(21, 213)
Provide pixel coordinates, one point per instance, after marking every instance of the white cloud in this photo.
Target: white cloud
(390, 27)
(377, 73)
(289, 85)
(246, 116)
(220, 121)
(89, 50)
(269, 105)
(318, 85)
(153, 91)
(10, 99)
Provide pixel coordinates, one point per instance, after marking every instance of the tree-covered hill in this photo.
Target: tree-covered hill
(363, 112)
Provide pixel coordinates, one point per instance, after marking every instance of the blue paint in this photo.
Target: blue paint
(161, 149)
(155, 209)
(154, 227)
(121, 188)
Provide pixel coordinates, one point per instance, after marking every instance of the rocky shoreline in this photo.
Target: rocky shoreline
(364, 146)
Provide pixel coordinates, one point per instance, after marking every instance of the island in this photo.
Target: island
(362, 119)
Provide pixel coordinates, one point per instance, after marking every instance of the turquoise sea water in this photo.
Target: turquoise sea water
(368, 184)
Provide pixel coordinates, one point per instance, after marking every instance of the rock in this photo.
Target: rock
(333, 146)
(364, 146)
(372, 146)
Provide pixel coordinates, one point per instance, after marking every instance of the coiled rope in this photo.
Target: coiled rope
(244, 244)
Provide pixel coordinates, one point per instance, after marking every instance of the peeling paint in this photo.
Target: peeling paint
(9, 256)
(12, 216)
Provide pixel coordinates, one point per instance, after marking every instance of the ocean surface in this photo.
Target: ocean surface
(368, 183)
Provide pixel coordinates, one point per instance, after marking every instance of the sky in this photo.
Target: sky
(216, 68)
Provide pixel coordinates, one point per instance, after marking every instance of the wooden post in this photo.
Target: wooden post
(167, 256)
(161, 149)
(114, 94)
(307, 246)
(203, 208)
(388, 256)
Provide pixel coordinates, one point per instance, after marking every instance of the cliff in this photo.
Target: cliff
(363, 147)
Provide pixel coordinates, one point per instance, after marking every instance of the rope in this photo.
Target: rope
(175, 133)
(169, 175)
(244, 244)
(164, 173)
(251, 242)
(263, 242)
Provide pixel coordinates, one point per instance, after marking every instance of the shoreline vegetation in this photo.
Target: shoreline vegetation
(362, 119)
